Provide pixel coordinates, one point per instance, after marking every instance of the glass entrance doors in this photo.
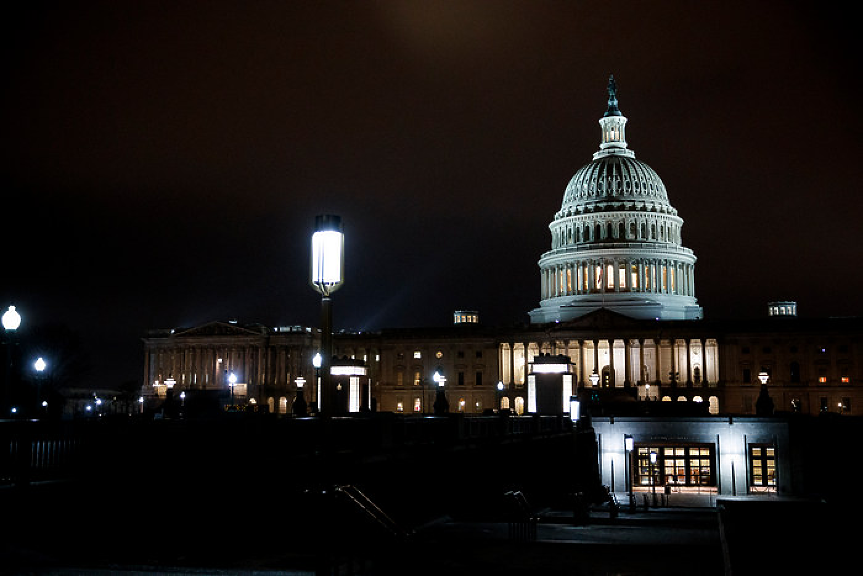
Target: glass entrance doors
(678, 466)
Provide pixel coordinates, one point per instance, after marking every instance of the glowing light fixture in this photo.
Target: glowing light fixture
(351, 370)
(574, 408)
(11, 319)
(594, 378)
(328, 254)
(39, 365)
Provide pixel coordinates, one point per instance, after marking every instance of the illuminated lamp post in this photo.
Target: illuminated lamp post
(653, 476)
(169, 395)
(628, 446)
(499, 395)
(11, 321)
(441, 405)
(40, 366)
(327, 276)
(316, 362)
(232, 381)
(300, 407)
(764, 403)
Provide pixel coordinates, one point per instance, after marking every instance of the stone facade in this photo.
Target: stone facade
(813, 365)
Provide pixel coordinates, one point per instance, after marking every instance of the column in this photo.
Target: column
(627, 363)
(641, 377)
(688, 363)
(612, 375)
(581, 362)
(512, 363)
(596, 356)
(674, 371)
(658, 369)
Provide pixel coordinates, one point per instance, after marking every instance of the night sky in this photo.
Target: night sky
(163, 162)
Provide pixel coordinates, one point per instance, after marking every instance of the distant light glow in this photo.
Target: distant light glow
(39, 364)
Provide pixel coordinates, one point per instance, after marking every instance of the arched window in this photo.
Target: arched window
(271, 405)
(283, 405)
(620, 231)
(714, 405)
(794, 368)
(632, 230)
(519, 405)
(504, 403)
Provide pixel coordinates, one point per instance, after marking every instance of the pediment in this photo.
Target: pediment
(216, 328)
(601, 319)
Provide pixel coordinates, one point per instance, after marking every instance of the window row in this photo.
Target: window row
(418, 380)
(585, 277)
(579, 233)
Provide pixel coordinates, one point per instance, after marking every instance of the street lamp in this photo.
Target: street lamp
(232, 381)
(441, 405)
(594, 378)
(499, 395)
(628, 446)
(300, 400)
(316, 362)
(11, 321)
(39, 365)
(653, 475)
(327, 276)
(764, 403)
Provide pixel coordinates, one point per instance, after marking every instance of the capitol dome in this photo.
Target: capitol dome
(616, 241)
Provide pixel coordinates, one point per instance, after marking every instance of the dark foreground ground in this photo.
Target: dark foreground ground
(242, 499)
(55, 531)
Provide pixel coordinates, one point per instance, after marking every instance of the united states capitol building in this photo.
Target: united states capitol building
(617, 313)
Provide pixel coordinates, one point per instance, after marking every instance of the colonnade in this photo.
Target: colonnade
(602, 275)
(204, 367)
(620, 362)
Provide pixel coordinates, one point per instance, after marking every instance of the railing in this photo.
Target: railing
(35, 452)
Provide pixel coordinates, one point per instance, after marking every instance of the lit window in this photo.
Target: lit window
(417, 354)
(416, 378)
(461, 404)
(846, 380)
(399, 407)
(822, 378)
(417, 405)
